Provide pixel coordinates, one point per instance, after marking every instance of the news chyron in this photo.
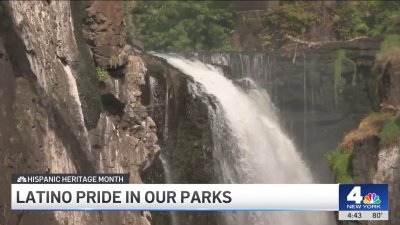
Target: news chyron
(363, 202)
(113, 192)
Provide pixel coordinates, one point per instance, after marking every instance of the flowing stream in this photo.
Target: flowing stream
(249, 144)
(169, 180)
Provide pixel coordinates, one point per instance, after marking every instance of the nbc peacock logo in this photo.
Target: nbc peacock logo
(371, 198)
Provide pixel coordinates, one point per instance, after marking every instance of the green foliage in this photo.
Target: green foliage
(349, 21)
(389, 43)
(389, 52)
(352, 19)
(390, 133)
(384, 124)
(341, 165)
(102, 74)
(294, 19)
(381, 16)
(184, 25)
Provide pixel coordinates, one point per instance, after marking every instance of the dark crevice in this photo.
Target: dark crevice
(385, 83)
(117, 72)
(14, 46)
(112, 105)
(63, 60)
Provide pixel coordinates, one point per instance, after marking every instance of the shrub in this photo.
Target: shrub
(294, 19)
(102, 74)
(381, 16)
(349, 21)
(184, 25)
(352, 19)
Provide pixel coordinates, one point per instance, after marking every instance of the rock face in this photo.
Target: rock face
(103, 28)
(388, 171)
(56, 116)
(185, 136)
(365, 157)
(389, 90)
(373, 160)
(372, 163)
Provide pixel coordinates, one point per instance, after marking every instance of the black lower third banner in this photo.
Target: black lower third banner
(106, 178)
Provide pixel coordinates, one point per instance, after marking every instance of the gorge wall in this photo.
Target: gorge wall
(58, 116)
(370, 153)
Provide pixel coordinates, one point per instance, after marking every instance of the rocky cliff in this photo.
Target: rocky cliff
(370, 153)
(58, 116)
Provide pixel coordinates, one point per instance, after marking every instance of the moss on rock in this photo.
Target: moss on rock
(338, 65)
(377, 125)
(390, 133)
(340, 163)
(389, 43)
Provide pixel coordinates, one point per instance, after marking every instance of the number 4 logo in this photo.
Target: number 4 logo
(355, 195)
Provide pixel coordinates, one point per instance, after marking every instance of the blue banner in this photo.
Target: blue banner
(363, 197)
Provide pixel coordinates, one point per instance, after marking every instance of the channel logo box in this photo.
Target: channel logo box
(363, 197)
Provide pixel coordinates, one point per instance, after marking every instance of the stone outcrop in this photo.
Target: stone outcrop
(56, 116)
(365, 157)
(372, 159)
(104, 30)
(372, 163)
(389, 90)
(388, 172)
(183, 123)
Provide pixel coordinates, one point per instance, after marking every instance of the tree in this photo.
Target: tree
(290, 18)
(184, 25)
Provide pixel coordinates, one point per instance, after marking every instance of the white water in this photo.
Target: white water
(169, 180)
(73, 90)
(166, 168)
(249, 144)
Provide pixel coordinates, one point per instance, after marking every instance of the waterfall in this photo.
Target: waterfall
(256, 66)
(154, 101)
(116, 88)
(249, 144)
(73, 90)
(169, 180)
